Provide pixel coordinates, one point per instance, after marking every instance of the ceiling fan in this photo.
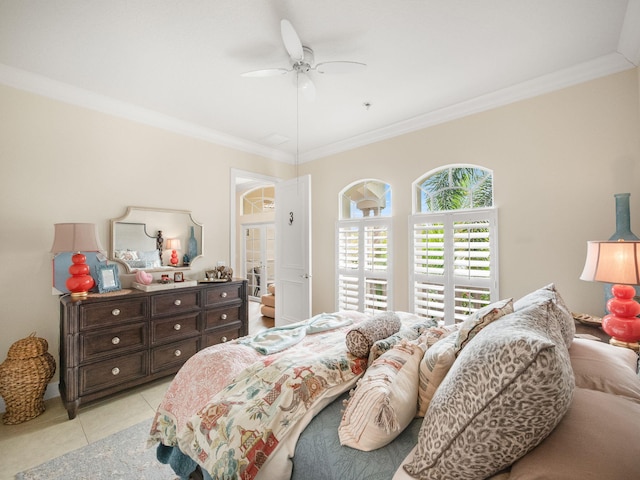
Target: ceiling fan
(302, 63)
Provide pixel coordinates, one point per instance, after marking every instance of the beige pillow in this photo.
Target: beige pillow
(385, 399)
(598, 438)
(361, 337)
(434, 366)
(600, 366)
(407, 332)
(486, 413)
(561, 312)
(480, 319)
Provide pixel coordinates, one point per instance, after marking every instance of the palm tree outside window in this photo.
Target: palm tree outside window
(454, 266)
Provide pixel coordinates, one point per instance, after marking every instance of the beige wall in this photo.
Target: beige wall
(61, 163)
(557, 160)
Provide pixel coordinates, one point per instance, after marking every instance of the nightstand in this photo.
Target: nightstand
(593, 330)
(596, 331)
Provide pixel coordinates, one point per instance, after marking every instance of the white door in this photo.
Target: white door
(293, 250)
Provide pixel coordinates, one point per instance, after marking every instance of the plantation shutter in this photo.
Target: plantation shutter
(363, 264)
(454, 263)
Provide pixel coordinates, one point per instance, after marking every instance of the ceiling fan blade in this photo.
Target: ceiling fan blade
(291, 40)
(340, 67)
(267, 72)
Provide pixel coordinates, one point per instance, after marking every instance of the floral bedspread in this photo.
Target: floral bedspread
(230, 408)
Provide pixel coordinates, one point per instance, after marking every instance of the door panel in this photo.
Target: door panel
(293, 250)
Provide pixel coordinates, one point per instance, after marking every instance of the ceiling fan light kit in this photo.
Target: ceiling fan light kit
(302, 63)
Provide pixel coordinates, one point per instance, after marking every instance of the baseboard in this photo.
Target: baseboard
(51, 391)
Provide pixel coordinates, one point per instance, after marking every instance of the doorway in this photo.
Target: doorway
(248, 213)
(259, 257)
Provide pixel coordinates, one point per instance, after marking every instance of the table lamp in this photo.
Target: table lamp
(77, 238)
(617, 262)
(174, 244)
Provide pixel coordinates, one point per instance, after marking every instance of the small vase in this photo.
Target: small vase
(623, 232)
(623, 219)
(192, 249)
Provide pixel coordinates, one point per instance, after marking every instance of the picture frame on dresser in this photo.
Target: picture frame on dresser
(107, 278)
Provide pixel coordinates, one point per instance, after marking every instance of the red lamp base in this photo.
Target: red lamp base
(80, 282)
(174, 258)
(622, 323)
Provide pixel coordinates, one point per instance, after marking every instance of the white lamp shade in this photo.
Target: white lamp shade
(76, 237)
(173, 244)
(612, 262)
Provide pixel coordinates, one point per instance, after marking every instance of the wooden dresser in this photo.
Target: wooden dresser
(113, 342)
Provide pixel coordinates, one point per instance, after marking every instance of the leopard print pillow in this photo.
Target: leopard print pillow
(507, 390)
(559, 310)
(361, 337)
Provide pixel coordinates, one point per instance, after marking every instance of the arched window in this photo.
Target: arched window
(455, 188)
(258, 200)
(363, 238)
(454, 243)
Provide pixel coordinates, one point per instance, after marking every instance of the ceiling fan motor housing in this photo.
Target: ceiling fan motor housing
(304, 65)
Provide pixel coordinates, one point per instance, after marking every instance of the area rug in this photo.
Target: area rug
(122, 456)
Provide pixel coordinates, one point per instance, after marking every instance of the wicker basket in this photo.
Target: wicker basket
(23, 379)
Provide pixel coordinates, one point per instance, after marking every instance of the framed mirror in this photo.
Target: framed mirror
(140, 239)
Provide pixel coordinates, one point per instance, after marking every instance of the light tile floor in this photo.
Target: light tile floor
(52, 434)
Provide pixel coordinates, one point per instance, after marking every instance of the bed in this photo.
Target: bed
(507, 394)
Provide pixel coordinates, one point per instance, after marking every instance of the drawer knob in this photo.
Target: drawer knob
(115, 312)
(177, 353)
(177, 327)
(223, 294)
(115, 340)
(115, 371)
(223, 316)
(177, 302)
(223, 339)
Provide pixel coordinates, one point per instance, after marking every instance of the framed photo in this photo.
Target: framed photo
(178, 277)
(108, 280)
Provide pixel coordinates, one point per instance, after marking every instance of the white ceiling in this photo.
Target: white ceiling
(176, 64)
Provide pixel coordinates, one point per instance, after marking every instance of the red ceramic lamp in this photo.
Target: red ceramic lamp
(174, 244)
(77, 238)
(617, 262)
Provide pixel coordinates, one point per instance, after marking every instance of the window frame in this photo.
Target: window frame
(365, 227)
(449, 282)
(363, 274)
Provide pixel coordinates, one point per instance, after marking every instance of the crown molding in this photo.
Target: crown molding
(23, 80)
(600, 67)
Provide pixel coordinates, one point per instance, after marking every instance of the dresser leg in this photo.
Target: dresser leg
(72, 409)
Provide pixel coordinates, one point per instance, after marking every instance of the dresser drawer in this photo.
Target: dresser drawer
(175, 302)
(223, 335)
(118, 339)
(173, 355)
(110, 313)
(222, 293)
(115, 371)
(217, 317)
(174, 328)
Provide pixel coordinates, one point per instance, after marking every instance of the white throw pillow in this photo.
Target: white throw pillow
(385, 399)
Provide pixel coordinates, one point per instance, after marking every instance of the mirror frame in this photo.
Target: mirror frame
(129, 213)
